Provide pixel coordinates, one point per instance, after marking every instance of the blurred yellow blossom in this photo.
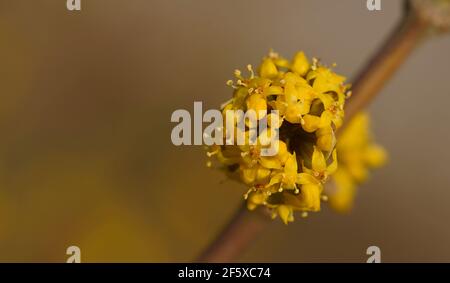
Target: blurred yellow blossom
(357, 154)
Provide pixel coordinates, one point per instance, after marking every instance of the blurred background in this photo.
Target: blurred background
(85, 152)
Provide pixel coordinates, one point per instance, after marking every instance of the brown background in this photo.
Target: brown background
(85, 151)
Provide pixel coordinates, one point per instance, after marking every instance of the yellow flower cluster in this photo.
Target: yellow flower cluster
(357, 154)
(309, 98)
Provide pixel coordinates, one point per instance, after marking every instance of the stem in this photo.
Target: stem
(245, 225)
(384, 64)
(237, 235)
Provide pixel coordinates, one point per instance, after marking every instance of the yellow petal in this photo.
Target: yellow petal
(271, 162)
(305, 92)
(326, 142)
(273, 90)
(358, 170)
(268, 69)
(251, 205)
(290, 93)
(300, 64)
(262, 175)
(307, 179)
(276, 179)
(310, 123)
(257, 103)
(334, 164)
(257, 198)
(295, 79)
(325, 119)
(294, 112)
(283, 154)
(338, 121)
(281, 62)
(248, 175)
(279, 104)
(375, 156)
(290, 168)
(285, 213)
(319, 163)
(341, 199)
(310, 197)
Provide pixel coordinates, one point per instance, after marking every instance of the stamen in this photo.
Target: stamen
(209, 154)
(273, 54)
(349, 94)
(253, 189)
(238, 74)
(241, 83)
(250, 69)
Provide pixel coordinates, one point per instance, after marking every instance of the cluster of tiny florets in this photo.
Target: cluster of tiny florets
(309, 100)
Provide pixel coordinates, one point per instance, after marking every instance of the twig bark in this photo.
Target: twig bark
(383, 65)
(237, 235)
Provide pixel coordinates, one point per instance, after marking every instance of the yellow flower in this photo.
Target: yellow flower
(320, 170)
(287, 177)
(333, 110)
(325, 80)
(256, 168)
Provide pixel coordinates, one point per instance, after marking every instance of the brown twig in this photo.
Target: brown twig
(237, 235)
(384, 64)
(245, 225)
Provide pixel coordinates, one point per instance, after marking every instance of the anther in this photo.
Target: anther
(209, 154)
(244, 153)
